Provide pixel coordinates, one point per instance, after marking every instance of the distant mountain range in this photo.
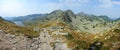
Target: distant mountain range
(27, 17)
(82, 21)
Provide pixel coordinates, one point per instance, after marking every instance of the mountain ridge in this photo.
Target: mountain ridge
(61, 30)
(82, 21)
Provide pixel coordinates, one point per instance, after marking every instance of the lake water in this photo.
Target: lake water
(19, 23)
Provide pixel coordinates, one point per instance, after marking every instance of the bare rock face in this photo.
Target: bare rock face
(68, 15)
(12, 42)
(20, 42)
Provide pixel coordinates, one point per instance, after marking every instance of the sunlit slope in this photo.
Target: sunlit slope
(13, 29)
(81, 21)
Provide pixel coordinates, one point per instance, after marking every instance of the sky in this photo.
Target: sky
(12, 8)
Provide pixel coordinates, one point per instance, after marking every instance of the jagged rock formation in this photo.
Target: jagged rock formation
(81, 21)
(67, 16)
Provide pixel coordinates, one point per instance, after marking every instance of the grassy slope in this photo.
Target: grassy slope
(13, 29)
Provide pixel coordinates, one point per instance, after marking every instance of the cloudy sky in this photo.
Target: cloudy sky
(110, 8)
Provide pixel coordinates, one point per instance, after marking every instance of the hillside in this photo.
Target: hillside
(11, 28)
(63, 30)
(81, 21)
(14, 37)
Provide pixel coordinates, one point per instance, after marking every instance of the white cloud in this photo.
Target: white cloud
(108, 3)
(116, 2)
(63, 4)
(105, 3)
(72, 3)
(51, 6)
(84, 1)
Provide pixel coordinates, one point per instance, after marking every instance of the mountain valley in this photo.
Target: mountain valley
(60, 30)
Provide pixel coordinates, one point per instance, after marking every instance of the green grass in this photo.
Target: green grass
(12, 28)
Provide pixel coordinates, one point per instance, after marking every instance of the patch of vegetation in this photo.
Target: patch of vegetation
(69, 36)
(79, 40)
(13, 29)
(117, 30)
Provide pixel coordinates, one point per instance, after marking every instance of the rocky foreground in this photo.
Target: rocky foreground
(45, 41)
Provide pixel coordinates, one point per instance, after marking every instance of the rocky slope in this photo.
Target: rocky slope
(20, 42)
(13, 38)
(9, 27)
(81, 21)
(61, 30)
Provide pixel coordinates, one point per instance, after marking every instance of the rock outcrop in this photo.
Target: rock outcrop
(21, 42)
(67, 16)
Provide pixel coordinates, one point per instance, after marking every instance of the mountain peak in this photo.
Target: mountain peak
(70, 11)
(68, 15)
(56, 11)
(105, 17)
(83, 14)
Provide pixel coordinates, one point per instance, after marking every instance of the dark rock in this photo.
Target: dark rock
(118, 48)
(95, 46)
(68, 15)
